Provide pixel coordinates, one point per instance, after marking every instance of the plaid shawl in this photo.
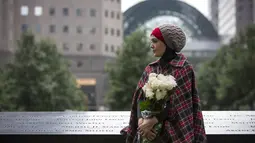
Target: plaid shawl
(185, 120)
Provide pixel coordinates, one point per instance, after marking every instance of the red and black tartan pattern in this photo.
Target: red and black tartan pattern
(185, 120)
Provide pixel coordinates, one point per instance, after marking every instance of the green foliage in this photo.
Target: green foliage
(207, 79)
(145, 105)
(126, 71)
(227, 81)
(39, 79)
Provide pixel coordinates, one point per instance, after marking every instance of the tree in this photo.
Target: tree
(228, 80)
(208, 79)
(237, 86)
(2, 98)
(39, 79)
(127, 69)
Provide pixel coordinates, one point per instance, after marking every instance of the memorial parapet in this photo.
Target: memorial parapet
(111, 122)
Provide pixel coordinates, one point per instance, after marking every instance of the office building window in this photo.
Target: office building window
(112, 14)
(118, 15)
(92, 12)
(38, 11)
(65, 47)
(112, 31)
(79, 47)
(106, 47)
(52, 28)
(92, 47)
(240, 8)
(112, 48)
(24, 27)
(118, 32)
(79, 29)
(106, 31)
(65, 11)
(52, 11)
(106, 13)
(78, 12)
(65, 29)
(93, 31)
(24, 10)
(79, 64)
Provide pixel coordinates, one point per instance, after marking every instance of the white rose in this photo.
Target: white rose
(161, 77)
(170, 77)
(149, 93)
(164, 86)
(152, 75)
(160, 94)
(152, 79)
(171, 84)
(155, 84)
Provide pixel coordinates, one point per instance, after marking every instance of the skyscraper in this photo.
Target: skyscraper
(231, 16)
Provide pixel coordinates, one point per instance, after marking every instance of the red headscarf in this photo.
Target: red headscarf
(157, 33)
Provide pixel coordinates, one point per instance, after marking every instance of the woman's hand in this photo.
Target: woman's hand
(151, 135)
(140, 121)
(146, 127)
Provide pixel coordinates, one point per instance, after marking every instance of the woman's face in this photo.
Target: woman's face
(157, 46)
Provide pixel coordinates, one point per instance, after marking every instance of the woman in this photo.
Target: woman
(182, 118)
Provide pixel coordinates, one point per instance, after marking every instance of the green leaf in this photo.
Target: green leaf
(145, 105)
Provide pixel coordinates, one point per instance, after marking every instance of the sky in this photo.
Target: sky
(201, 5)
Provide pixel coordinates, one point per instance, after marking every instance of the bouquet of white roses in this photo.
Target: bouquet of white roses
(157, 90)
